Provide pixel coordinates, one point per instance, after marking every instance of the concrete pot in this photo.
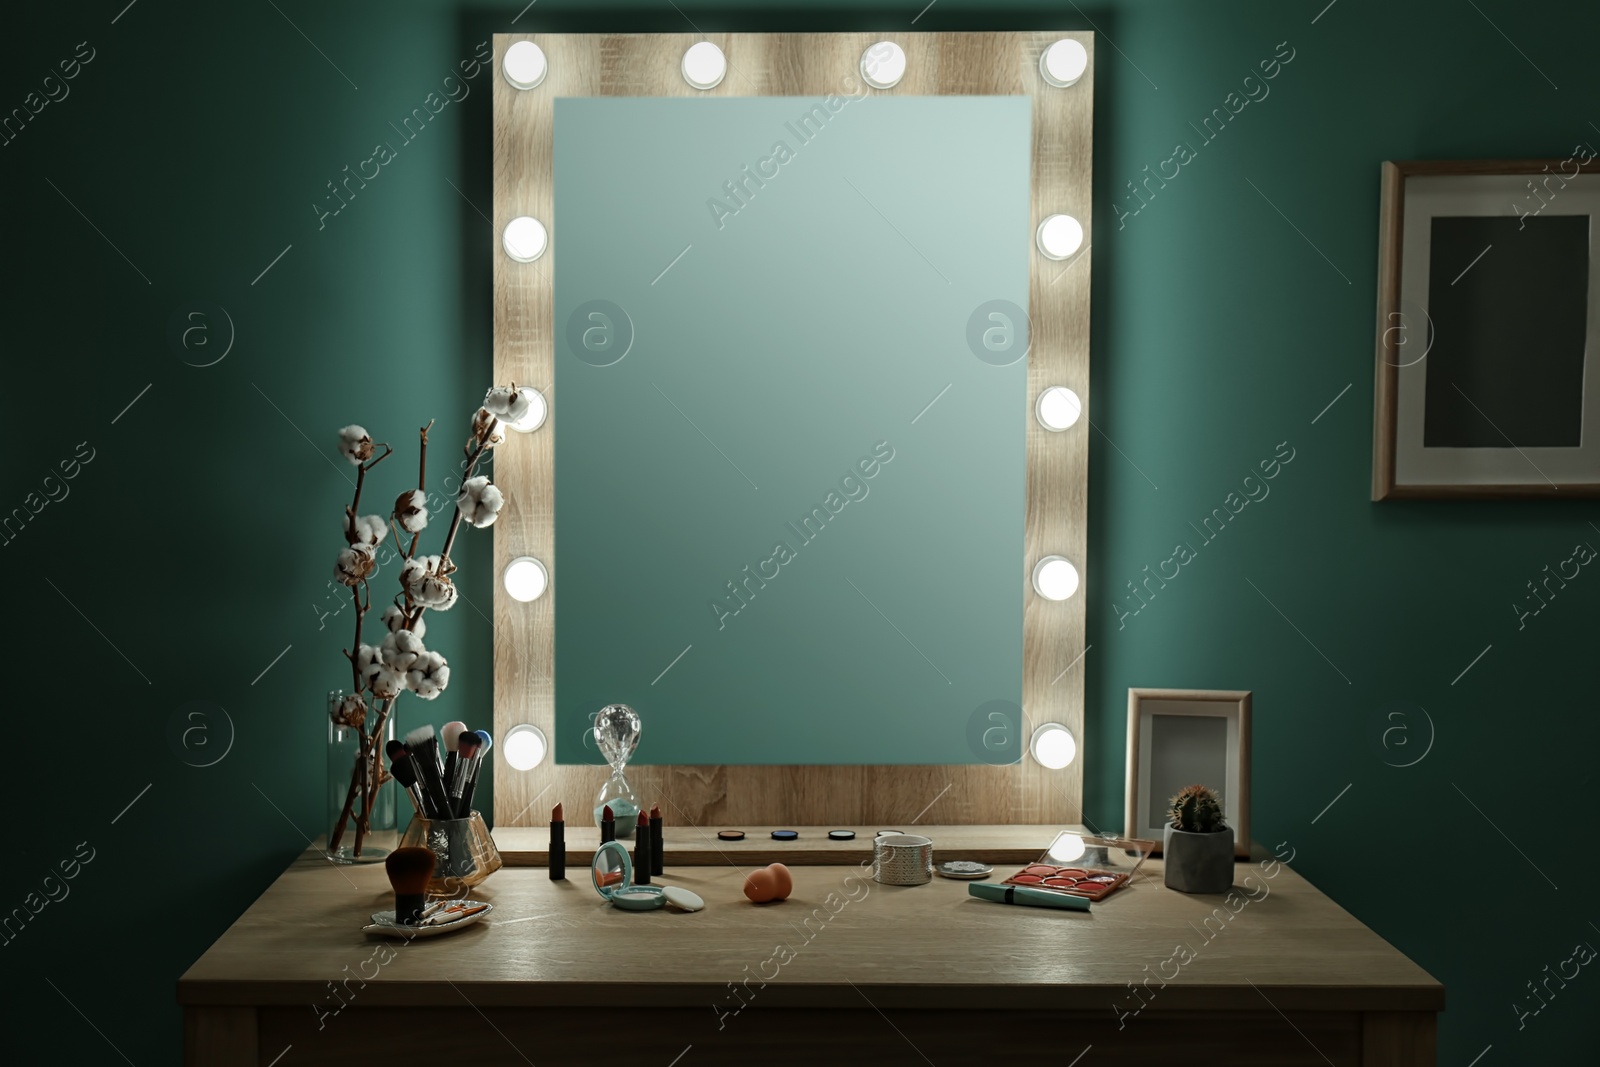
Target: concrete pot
(1198, 863)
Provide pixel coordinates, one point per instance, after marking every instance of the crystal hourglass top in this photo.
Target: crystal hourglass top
(616, 732)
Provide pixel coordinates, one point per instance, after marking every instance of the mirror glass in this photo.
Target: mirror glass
(611, 868)
(791, 366)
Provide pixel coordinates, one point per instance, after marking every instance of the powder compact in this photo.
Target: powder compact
(1093, 866)
(612, 872)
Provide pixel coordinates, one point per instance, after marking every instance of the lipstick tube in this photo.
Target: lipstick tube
(558, 846)
(641, 851)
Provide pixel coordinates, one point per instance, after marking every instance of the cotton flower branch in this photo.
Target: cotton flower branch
(402, 662)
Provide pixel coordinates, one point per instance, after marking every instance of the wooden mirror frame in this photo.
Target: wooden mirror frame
(798, 64)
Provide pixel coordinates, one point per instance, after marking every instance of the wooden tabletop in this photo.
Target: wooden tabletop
(697, 846)
(839, 936)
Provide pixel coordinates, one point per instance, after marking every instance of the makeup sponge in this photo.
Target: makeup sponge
(769, 883)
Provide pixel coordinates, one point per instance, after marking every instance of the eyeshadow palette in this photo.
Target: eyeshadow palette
(1085, 866)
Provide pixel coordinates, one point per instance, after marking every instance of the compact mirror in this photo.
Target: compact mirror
(612, 872)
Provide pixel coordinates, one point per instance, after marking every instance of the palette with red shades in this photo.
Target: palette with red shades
(1085, 865)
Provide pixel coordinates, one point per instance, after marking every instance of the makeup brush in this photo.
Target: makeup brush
(401, 768)
(558, 845)
(608, 825)
(424, 749)
(655, 839)
(449, 733)
(485, 743)
(466, 751)
(641, 850)
(409, 870)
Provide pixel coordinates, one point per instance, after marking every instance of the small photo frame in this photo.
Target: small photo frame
(1488, 329)
(1179, 737)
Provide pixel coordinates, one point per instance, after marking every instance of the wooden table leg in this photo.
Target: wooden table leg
(1398, 1039)
(220, 1037)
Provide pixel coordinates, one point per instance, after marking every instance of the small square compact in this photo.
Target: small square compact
(1085, 866)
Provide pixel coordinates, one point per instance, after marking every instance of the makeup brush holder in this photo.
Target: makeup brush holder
(902, 859)
(465, 852)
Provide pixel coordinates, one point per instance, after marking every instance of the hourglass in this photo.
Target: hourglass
(616, 732)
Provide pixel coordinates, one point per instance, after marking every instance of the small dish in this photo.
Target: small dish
(964, 870)
(383, 922)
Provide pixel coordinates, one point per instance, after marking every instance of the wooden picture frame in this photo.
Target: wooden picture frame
(797, 64)
(1518, 322)
(1230, 745)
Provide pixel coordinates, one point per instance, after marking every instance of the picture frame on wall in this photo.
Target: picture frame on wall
(1179, 737)
(1488, 329)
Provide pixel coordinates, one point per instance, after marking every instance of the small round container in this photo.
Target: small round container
(902, 859)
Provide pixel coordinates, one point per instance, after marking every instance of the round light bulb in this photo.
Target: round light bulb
(524, 65)
(1055, 578)
(1063, 63)
(525, 239)
(704, 65)
(525, 747)
(1058, 408)
(1068, 847)
(883, 65)
(525, 579)
(537, 410)
(1059, 236)
(1053, 746)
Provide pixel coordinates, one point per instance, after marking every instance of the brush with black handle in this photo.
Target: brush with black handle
(485, 743)
(424, 749)
(467, 746)
(403, 770)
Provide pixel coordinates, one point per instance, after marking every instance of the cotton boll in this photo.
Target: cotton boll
(429, 676)
(395, 619)
(425, 585)
(355, 444)
(401, 649)
(370, 529)
(506, 402)
(355, 564)
(351, 711)
(411, 511)
(369, 661)
(481, 423)
(480, 502)
(387, 683)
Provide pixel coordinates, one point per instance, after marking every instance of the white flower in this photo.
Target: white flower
(401, 649)
(355, 445)
(428, 676)
(355, 564)
(425, 585)
(411, 511)
(395, 619)
(351, 711)
(480, 501)
(369, 661)
(387, 683)
(481, 423)
(507, 403)
(370, 529)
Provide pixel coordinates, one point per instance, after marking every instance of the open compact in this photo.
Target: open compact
(1085, 866)
(612, 872)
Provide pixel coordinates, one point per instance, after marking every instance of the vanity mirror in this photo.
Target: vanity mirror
(794, 304)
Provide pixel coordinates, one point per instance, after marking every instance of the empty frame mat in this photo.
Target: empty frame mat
(1496, 383)
(790, 465)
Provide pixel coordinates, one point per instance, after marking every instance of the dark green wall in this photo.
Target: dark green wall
(198, 538)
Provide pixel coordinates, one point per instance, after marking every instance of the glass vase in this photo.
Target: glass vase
(463, 849)
(352, 842)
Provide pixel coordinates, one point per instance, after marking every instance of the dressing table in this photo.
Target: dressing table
(873, 973)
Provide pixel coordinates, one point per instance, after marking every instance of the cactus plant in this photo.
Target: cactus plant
(1197, 809)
